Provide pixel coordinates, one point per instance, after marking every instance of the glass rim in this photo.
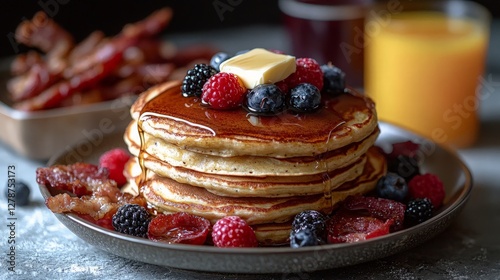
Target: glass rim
(319, 12)
(453, 8)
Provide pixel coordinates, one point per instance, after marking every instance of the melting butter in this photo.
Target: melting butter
(259, 66)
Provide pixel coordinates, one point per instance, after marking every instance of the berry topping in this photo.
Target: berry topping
(405, 166)
(311, 220)
(347, 227)
(114, 160)
(223, 91)
(392, 186)
(195, 78)
(265, 99)
(217, 59)
(304, 98)
(19, 192)
(427, 186)
(283, 86)
(303, 237)
(131, 219)
(407, 148)
(233, 231)
(418, 211)
(307, 71)
(380, 208)
(333, 79)
(179, 227)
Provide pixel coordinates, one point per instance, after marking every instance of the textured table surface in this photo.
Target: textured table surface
(468, 249)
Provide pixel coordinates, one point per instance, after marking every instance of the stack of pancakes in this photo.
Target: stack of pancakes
(265, 169)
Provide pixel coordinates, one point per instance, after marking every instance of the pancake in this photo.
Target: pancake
(188, 124)
(248, 165)
(167, 195)
(265, 169)
(251, 186)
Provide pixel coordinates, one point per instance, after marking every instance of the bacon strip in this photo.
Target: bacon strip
(87, 191)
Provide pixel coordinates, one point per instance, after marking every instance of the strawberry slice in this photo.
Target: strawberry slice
(179, 227)
(347, 227)
(361, 218)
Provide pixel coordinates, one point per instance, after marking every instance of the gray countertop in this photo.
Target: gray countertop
(468, 249)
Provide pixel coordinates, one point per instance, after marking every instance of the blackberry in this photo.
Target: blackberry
(217, 59)
(131, 219)
(392, 186)
(196, 77)
(265, 99)
(406, 166)
(303, 238)
(333, 79)
(310, 220)
(304, 98)
(418, 211)
(19, 192)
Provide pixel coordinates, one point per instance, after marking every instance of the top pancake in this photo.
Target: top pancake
(163, 112)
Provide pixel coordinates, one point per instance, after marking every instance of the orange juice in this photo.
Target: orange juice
(423, 71)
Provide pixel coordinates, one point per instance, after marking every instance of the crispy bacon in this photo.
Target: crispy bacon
(45, 34)
(79, 178)
(22, 63)
(86, 191)
(98, 68)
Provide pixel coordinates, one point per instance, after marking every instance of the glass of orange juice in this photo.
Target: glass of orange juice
(424, 63)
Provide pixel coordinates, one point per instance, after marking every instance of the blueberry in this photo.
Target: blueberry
(304, 98)
(333, 79)
(303, 238)
(266, 99)
(241, 52)
(217, 59)
(405, 166)
(392, 186)
(19, 192)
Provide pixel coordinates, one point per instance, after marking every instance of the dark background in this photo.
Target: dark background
(82, 17)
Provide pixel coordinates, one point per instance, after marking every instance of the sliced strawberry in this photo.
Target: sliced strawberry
(347, 227)
(380, 208)
(179, 227)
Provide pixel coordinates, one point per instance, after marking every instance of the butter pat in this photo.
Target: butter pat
(259, 66)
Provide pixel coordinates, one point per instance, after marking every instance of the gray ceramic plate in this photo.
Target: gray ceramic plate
(435, 159)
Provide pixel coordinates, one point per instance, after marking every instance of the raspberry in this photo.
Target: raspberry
(427, 186)
(233, 231)
(223, 91)
(418, 210)
(114, 160)
(179, 227)
(131, 219)
(307, 71)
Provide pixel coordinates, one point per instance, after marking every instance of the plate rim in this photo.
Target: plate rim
(461, 197)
